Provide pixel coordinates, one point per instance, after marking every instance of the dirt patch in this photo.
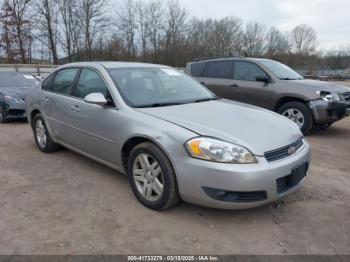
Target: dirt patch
(63, 203)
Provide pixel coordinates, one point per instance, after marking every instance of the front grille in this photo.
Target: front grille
(16, 112)
(346, 96)
(235, 197)
(283, 152)
(288, 182)
(283, 185)
(252, 196)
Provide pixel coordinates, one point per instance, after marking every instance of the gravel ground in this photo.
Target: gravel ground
(63, 203)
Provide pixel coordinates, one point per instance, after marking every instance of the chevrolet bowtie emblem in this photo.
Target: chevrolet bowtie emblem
(292, 150)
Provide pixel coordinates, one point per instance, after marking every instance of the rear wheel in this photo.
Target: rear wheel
(323, 127)
(152, 177)
(3, 115)
(42, 137)
(298, 113)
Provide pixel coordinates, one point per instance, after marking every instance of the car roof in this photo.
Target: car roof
(111, 65)
(254, 59)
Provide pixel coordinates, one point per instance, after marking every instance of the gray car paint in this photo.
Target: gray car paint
(101, 132)
(269, 95)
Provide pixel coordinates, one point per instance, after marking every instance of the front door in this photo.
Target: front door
(92, 122)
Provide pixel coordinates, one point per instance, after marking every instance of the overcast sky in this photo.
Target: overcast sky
(330, 18)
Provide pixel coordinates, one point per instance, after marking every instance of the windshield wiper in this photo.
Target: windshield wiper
(287, 78)
(206, 99)
(159, 105)
(177, 103)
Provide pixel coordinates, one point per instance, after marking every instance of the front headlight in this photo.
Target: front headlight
(10, 99)
(219, 151)
(328, 96)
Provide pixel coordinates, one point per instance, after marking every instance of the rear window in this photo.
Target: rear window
(197, 69)
(220, 69)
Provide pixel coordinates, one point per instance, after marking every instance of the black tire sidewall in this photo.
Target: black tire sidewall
(35, 119)
(308, 119)
(4, 115)
(163, 162)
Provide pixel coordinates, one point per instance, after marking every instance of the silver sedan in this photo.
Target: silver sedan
(170, 135)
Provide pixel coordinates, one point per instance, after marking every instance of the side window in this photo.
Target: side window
(221, 69)
(46, 85)
(197, 69)
(90, 82)
(247, 71)
(64, 81)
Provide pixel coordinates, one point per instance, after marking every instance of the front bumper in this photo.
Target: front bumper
(328, 112)
(15, 111)
(196, 176)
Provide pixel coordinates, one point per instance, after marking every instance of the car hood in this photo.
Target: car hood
(321, 85)
(255, 128)
(17, 92)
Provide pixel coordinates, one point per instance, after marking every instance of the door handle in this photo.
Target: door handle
(45, 99)
(234, 85)
(75, 108)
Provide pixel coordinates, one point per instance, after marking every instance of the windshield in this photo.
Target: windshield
(281, 71)
(152, 87)
(13, 79)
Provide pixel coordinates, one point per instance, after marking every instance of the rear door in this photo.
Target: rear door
(218, 77)
(246, 89)
(56, 104)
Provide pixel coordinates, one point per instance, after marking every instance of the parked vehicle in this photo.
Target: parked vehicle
(33, 78)
(13, 89)
(169, 134)
(272, 85)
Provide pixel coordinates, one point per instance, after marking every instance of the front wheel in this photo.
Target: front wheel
(3, 115)
(152, 177)
(298, 113)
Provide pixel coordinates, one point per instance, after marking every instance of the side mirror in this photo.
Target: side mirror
(96, 99)
(262, 78)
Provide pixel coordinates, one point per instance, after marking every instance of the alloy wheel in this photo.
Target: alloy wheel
(295, 115)
(148, 177)
(40, 133)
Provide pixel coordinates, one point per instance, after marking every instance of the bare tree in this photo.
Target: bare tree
(47, 23)
(304, 39)
(155, 15)
(174, 30)
(17, 25)
(143, 25)
(126, 20)
(253, 39)
(70, 26)
(276, 43)
(93, 14)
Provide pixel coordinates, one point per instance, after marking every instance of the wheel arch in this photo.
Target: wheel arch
(136, 140)
(287, 99)
(33, 113)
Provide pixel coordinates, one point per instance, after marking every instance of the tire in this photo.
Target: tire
(49, 146)
(3, 115)
(323, 127)
(139, 179)
(301, 108)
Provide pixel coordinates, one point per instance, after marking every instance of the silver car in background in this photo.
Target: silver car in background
(170, 135)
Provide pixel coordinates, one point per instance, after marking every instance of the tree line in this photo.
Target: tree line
(60, 31)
